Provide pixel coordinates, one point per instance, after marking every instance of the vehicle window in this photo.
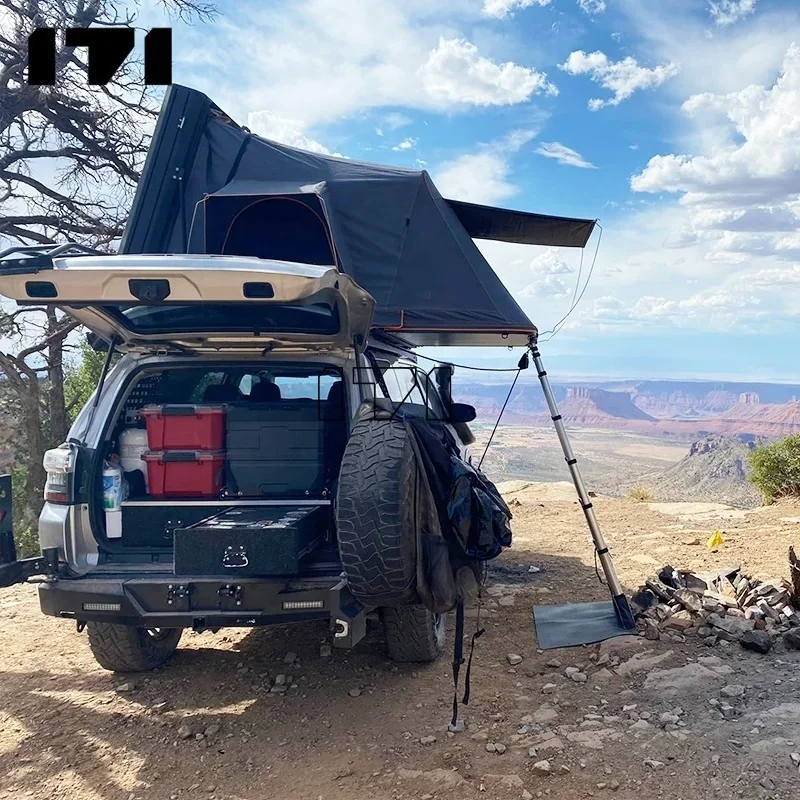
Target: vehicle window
(432, 400)
(209, 379)
(403, 384)
(292, 386)
(320, 318)
(191, 385)
(315, 387)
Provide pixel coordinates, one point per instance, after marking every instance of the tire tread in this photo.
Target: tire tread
(411, 634)
(376, 508)
(123, 648)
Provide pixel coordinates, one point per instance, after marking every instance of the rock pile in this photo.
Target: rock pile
(720, 606)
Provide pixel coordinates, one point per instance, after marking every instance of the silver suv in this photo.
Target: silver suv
(249, 536)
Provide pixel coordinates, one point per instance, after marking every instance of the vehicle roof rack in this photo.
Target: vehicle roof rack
(36, 257)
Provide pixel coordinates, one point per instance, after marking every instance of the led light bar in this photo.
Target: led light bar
(102, 607)
(297, 605)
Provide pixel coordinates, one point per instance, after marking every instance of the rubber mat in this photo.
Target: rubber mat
(575, 624)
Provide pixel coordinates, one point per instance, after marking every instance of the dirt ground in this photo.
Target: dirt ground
(354, 725)
(611, 460)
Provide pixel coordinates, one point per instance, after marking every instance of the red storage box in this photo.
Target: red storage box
(179, 473)
(185, 427)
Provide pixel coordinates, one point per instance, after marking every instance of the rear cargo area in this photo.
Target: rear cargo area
(225, 469)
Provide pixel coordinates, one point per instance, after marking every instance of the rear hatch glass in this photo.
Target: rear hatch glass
(321, 318)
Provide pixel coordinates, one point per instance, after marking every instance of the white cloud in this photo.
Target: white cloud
(746, 220)
(455, 74)
(760, 164)
(726, 12)
(608, 307)
(592, 6)
(407, 144)
(564, 155)
(772, 278)
(476, 178)
(483, 176)
(505, 8)
(322, 60)
(707, 310)
(548, 269)
(639, 285)
(623, 78)
(394, 120)
(546, 286)
(549, 263)
(285, 131)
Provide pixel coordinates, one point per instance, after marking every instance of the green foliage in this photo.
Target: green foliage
(81, 378)
(776, 468)
(27, 542)
(26, 537)
(641, 494)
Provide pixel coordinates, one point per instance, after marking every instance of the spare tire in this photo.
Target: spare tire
(376, 513)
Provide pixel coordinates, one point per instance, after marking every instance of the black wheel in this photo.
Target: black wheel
(413, 633)
(376, 513)
(122, 648)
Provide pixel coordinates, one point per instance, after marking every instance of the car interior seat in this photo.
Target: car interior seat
(265, 392)
(221, 393)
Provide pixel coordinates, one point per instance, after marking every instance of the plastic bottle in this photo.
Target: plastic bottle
(132, 445)
(112, 486)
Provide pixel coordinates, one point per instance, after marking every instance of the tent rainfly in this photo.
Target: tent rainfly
(211, 186)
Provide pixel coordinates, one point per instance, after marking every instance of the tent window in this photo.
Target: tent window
(280, 228)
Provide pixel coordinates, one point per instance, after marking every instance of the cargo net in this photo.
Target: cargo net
(144, 392)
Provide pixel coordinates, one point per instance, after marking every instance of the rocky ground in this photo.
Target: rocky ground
(632, 718)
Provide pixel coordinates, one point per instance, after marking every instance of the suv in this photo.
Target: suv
(284, 349)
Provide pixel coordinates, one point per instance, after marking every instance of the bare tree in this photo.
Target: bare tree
(70, 158)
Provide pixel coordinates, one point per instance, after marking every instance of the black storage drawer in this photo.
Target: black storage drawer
(250, 542)
(152, 524)
(276, 450)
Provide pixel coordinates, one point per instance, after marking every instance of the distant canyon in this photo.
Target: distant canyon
(681, 408)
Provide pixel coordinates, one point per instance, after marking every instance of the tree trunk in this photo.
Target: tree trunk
(33, 489)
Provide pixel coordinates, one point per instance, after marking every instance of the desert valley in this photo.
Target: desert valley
(678, 440)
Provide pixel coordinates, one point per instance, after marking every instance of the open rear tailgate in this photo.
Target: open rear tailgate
(198, 302)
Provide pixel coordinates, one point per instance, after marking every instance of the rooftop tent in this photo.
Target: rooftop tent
(386, 227)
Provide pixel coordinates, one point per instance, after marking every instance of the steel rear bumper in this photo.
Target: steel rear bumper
(203, 603)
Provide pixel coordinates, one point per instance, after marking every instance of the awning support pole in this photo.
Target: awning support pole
(621, 605)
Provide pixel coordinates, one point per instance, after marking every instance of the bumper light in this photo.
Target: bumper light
(102, 607)
(297, 605)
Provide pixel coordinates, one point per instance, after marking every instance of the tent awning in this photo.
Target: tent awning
(522, 227)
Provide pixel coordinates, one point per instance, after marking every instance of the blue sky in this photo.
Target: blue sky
(676, 123)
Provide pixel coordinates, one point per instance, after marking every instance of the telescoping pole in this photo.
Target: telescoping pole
(621, 605)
